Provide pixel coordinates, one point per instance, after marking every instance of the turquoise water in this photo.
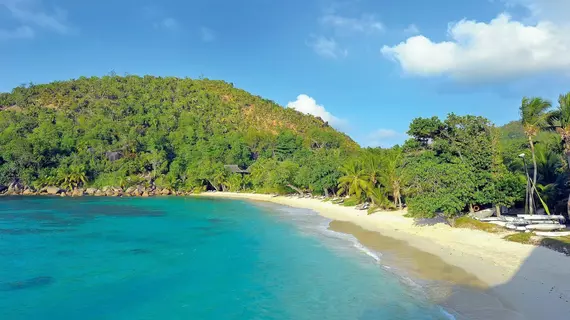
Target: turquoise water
(181, 258)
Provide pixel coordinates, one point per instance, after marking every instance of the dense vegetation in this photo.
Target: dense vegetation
(179, 133)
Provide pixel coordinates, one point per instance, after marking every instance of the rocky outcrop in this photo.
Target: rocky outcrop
(90, 191)
(15, 188)
(52, 190)
(3, 189)
(77, 193)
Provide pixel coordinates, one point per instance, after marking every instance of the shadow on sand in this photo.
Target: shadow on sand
(540, 289)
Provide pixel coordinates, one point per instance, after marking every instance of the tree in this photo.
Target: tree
(391, 174)
(560, 120)
(354, 180)
(534, 118)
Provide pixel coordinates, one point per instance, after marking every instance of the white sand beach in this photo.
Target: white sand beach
(533, 281)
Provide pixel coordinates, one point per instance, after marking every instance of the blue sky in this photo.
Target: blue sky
(368, 66)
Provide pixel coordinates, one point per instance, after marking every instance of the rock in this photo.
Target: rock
(91, 191)
(165, 192)
(99, 193)
(53, 190)
(145, 194)
(62, 194)
(28, 192)
(15, 187)
(363, 206)
(482, 214)
(77, 193)
(109, 192)
(130, 190)
(3, 189)
(105, 189)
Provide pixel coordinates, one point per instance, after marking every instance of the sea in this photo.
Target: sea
(190, 258)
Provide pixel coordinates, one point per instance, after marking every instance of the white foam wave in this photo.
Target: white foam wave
(446, 314)
(374, 255)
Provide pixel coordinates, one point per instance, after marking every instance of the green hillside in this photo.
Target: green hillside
(168, 132)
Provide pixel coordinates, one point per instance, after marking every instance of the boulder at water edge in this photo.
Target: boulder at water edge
(53, 190)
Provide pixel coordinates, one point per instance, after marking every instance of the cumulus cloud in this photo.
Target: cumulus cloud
(32, 14)
(386, 138)
(308, 105)
(364, 24)
(327, 47)
(501, 48)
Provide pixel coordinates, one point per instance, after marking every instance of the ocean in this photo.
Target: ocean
(190, 258)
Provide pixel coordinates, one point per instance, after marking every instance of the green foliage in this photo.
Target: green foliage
(168, 132)
(448, 165)
(466, 222)
(525, 238)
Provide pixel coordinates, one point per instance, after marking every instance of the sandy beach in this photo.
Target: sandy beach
(510, 280)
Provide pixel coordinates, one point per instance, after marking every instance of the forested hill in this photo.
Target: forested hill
(166, 131)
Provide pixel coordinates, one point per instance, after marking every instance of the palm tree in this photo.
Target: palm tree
(371, 166)
(534, 118)
(391, 176)
(355, 180)
(560, 120)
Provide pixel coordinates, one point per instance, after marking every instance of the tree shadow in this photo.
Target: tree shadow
(539, 289)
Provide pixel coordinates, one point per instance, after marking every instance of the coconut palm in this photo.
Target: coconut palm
(72, 177)
(534, 118)
(355, 180)
(371, 166)
(379, 200)
(560, 120)
(391, 175)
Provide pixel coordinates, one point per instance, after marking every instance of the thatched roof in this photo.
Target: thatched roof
(233, 168)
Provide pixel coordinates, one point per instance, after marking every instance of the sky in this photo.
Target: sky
(369, 67)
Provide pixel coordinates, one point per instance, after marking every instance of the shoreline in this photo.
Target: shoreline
(519, 275)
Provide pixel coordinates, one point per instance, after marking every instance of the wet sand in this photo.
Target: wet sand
(459, 292)
(482, 275)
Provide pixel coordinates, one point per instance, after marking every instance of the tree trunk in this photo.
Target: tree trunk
(471, 209)
(534, 175)
(568, 159)
(326, 193)
(498, 210)
(295, 188)
(213, 185)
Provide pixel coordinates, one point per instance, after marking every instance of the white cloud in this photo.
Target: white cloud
(385, 138)
(207, 34)
(23, 32)
(412, 29)
(31, 13)
(327, 47)
(501, 48)
(364, 24)
(308, 105)
(555, 11)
